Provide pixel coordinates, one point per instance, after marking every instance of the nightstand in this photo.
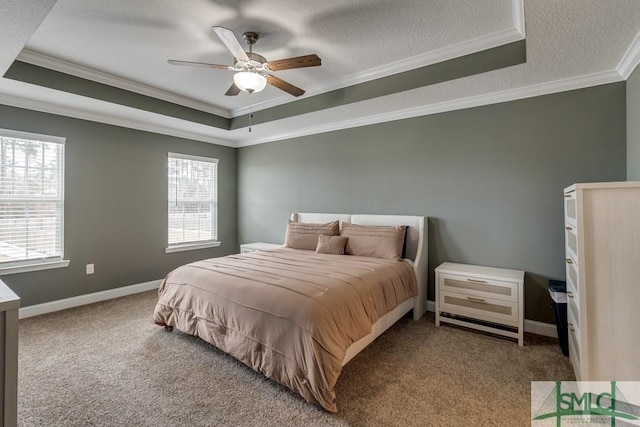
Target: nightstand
(483, 298)
(258, 246)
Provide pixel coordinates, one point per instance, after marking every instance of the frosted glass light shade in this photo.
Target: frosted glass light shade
(249, 82)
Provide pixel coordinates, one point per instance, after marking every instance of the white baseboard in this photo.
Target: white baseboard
(530, 326)
(541, 328)
(63, 304)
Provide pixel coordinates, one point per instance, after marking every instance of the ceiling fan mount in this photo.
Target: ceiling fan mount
(250, 37)
(253, 71)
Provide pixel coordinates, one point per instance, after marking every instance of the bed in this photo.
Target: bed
(294, 315)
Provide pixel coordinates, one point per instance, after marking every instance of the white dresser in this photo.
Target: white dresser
(602, 245)
(484, 298)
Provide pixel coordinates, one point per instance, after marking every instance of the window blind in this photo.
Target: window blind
(193, 199)
(31, 198)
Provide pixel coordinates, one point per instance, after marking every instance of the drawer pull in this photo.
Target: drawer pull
(476, 280)
(570, 294)
(571, 327)
(569, 261)
(568, 195)
(480, 300)
(568, 228)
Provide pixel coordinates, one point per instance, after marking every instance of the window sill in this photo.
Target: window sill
(33, 267)
(192, 246)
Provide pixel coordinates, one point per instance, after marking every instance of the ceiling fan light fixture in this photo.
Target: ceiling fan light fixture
(253, 71)
(249, 82)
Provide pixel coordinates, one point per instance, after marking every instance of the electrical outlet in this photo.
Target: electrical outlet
(89, 268)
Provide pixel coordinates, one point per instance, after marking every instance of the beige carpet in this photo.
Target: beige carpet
(107, 364)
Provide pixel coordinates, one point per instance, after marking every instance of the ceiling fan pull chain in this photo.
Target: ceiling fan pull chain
(250, 117)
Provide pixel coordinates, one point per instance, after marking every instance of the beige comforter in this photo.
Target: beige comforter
(289, 314)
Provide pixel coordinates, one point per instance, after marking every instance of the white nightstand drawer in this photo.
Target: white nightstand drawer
(490, 310)
(258, 246)
(481, 287)
(489, 299)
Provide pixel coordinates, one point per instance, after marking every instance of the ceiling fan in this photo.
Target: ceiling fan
(253, 71)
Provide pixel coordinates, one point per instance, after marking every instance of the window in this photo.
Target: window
(193, 202)
(31, 201)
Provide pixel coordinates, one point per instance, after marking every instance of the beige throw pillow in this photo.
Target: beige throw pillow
(331, 244)
(302, 235)
(374, 241)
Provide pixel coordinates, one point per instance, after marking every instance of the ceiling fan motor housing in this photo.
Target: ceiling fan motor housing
(256, 63)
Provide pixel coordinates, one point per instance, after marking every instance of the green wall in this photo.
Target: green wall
(116, 206)
(490, 179)
(633, 126)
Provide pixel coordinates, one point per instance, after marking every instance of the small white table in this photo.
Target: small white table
(484, 298)
(258, 246)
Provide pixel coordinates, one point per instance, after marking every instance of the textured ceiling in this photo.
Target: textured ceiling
(133, 40)
(18, 21)
(570, 44)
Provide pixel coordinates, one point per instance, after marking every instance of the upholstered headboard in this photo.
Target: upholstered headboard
(416, 248)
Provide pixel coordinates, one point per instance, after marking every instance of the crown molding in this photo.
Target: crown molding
(46, 61)
(478, 44)
(517, 8)
(155, 123)
(158, 123)
(547, 88)
(630, 59)
(467, 47)
(432, 57)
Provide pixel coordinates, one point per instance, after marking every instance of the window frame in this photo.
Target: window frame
(27, 265)
(203, 244)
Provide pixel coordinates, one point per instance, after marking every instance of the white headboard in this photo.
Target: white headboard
(416, 248)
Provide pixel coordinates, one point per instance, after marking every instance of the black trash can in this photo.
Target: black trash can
(558, 292)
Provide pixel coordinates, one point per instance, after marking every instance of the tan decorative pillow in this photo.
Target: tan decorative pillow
(331, 244)
(302, 235)
(374, 241)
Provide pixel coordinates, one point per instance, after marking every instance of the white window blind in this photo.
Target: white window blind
(31, 198)
(193, 199)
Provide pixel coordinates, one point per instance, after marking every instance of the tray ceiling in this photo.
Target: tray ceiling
(569, 44)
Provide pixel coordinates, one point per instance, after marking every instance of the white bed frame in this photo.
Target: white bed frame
(416, 250)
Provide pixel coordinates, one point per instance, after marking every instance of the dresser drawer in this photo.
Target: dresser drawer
(571, 240)
(572, 284)
(573, 341)
(572, 274)
(490, 310)
(570, 208)
(573, 314)
(574, 337)
(574, 354)
(573, 311)
(483, 288)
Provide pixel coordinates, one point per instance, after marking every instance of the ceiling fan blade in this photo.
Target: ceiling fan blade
(297, 62)
(233, 90)
(199, 64)
(285, 86)
(231, 42)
